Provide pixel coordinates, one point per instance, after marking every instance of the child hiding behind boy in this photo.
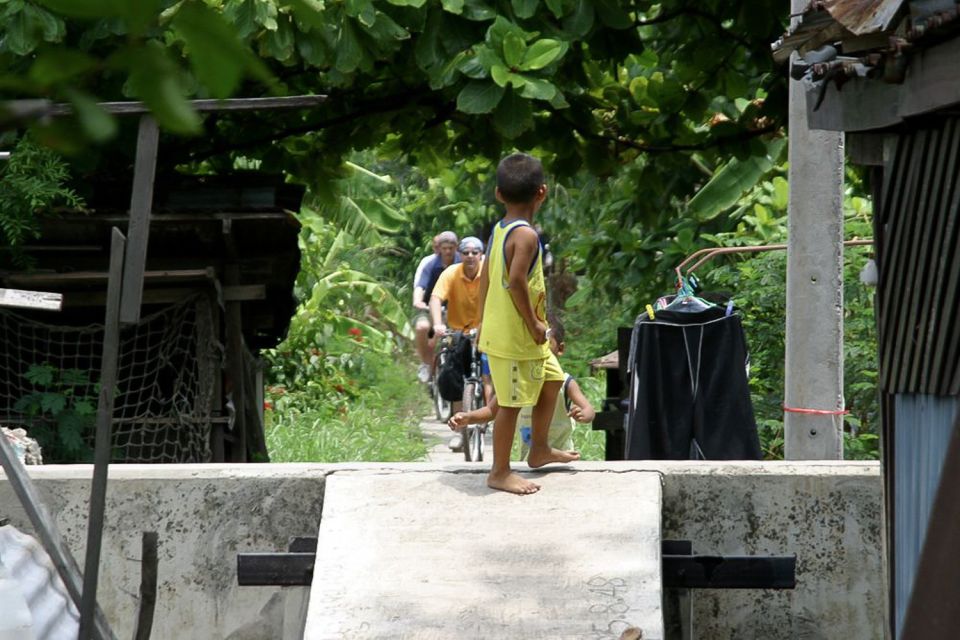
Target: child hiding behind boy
(571, 406)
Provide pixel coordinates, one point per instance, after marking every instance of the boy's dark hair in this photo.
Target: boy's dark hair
(519, 177)
(556, 327)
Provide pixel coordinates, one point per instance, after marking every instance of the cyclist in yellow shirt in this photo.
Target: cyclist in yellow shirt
(459, 288)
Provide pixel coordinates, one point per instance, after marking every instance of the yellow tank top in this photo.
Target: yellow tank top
(504, 333)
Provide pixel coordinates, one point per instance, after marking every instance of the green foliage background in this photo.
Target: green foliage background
(661, 125)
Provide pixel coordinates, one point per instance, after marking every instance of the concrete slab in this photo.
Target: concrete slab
(436, 554)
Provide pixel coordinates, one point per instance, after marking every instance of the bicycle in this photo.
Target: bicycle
(473, 398)
(442, 407)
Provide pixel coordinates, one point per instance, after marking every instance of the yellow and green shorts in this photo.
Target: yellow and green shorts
(517, 383)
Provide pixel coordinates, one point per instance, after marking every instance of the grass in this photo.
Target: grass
(380, 423)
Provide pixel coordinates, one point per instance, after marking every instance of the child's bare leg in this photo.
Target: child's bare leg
(501, 476)
(541, 452)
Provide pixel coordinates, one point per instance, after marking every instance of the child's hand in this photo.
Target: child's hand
(539, 332)
(457, 421)
(580, 414)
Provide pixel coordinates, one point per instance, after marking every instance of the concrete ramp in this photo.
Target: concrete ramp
(434, 554)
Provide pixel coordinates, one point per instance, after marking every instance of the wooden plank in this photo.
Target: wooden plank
(729, 572)
(102, 445)
(275, 569)
(231, 104)
(100, 277)
(202, 216)
(162, 296)
(31, 299)
(148, 585)
(138, 231)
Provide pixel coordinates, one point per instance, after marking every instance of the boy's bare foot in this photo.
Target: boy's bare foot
(539, 457)
(511, 483)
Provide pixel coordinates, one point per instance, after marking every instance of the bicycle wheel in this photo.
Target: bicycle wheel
(442, 407)
(475, 443)
(472, 434)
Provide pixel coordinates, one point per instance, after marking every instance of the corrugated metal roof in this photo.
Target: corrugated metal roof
(862, 16)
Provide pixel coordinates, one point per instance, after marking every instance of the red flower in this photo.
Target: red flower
(355, 332)
(267, 405)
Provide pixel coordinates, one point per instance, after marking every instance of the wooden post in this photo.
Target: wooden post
(148, 585)
(141, 204)
(101, 455)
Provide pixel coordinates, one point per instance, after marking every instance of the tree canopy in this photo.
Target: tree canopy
(590, 84)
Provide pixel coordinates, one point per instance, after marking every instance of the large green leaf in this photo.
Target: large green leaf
(479, 97)
(97, 123)
(541, 53)
(308, 12)
(579, 23)
(538, 89)
(513, 115)
(153, 79)
(349, 49)
(731, 181)
(54, 66)
(524, 8)
(242, 15)
(217, 55)
(513, 49)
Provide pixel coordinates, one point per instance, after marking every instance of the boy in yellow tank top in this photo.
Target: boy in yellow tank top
(513, 330)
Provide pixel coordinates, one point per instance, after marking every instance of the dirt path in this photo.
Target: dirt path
(437, 434)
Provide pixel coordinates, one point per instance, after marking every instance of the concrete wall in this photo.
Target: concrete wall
(828, 513)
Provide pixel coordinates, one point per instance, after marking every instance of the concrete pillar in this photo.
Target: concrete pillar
(814, 333)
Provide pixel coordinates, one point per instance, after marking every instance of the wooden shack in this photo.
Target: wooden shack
(220, 267)
(885, 73)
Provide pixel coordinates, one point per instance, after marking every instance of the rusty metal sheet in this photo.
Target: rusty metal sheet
(863, 16)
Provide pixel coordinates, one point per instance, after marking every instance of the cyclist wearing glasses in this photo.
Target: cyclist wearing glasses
(459, 287)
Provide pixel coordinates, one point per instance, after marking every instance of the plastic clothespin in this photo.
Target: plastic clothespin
(729, 308)
(650, 311)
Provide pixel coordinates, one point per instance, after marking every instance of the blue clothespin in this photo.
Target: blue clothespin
(729, 308)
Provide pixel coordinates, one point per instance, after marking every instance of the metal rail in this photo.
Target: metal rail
(709, 253)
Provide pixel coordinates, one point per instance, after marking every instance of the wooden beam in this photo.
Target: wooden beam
(148, 585)
(138, 231)
(729, 572)
(102, 444)
(230, 104)
(100, 277)
(199, 216)
(164, 296)
(275, 569)
(31, 299)
(931, 84)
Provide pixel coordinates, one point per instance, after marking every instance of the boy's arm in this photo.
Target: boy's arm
(523, 246)
(582, 410)
(483, 414)
(484, 283)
